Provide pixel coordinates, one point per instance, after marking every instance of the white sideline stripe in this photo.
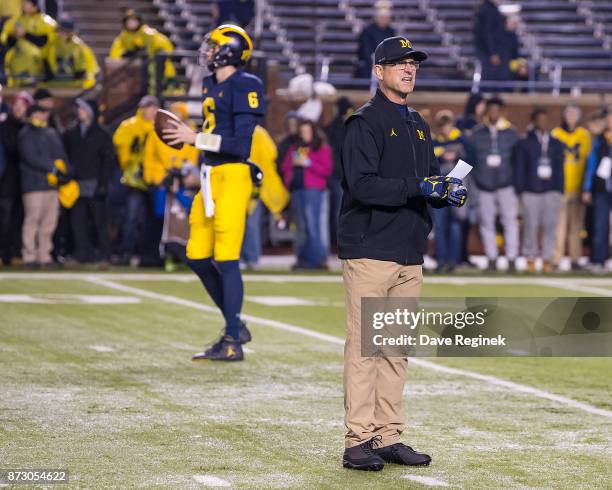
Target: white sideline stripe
(509, 385)
(426, 480)
(211, 481)
(576, 286)
(560, 282)
(67, 299)
(280, 301)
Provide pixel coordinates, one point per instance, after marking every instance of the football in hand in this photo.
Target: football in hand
(162, 121)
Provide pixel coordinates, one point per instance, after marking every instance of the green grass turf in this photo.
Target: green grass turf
(145, 415)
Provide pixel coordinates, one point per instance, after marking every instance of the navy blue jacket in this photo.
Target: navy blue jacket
(527, 156)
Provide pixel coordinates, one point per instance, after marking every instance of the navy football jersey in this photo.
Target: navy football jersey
(241, 93)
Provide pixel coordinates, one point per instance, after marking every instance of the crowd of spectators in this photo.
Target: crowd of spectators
(37, 50)
(528, 192)
(89, 196)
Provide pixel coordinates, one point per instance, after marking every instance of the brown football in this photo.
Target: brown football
(162, 121)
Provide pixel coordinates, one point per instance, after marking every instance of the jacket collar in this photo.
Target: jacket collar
(382, 97)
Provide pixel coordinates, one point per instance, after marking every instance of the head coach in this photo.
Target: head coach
(390, 176)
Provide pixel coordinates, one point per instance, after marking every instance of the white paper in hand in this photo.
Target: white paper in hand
(461, 170)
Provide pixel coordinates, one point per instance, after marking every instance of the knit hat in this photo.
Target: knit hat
(82, 104)
(42, 93)
(25, 97)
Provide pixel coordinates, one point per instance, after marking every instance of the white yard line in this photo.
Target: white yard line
(426, 480)
(554, 282)
(211, 481)
(576, 285)
(101, 348)
(509, 385)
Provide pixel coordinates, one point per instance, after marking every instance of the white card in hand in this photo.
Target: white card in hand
(461, 170)
(604, 170)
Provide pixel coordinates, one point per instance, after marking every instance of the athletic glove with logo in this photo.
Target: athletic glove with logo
(436, 186)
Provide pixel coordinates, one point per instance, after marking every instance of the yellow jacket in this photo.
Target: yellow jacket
(146, 39)
(263, 152)
(10, 8)
(23, 63)
(159, 158)
(67, 58)
(38, 24)
(130, 140)
(578, 147)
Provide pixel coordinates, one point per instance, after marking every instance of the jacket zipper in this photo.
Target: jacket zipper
(414, 159)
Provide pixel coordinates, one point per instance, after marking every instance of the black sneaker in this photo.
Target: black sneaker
(362, 457)
(225, 349)
(401, 454)
(245, 334)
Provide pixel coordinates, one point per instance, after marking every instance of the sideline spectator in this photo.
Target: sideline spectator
(160, 162)
(449, 146)
(90, 149)
(272, 194)
(26, 37)
(23, 62)
(571, 222)
(305, 169)
(490, 42)
(371, 36)
(494, 142)
(597, 188)
(70, 61)
(10, 180)
(129, 140)
(45, 99)
(474, 110)
(335, 135)
(292, 122)
(32, 25)
(40, 148)
(9, 8)
(538, 180)
(510, 50)
(239, 12)
(4, 108)
(138, 38)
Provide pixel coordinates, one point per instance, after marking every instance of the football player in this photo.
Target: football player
(233, 104)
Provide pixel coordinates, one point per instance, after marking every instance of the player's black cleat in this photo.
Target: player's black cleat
(363, 457)
(401, 454)
(225, 349)
(245, 334)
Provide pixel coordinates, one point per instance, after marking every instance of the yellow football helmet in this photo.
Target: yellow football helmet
(230, 45)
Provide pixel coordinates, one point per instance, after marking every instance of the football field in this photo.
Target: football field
(96, 378)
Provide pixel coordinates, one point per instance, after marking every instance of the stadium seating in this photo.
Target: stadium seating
(570, 36)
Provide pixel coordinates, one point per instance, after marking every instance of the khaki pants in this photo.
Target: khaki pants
(41, 209)
(571, 222)
(373, 386)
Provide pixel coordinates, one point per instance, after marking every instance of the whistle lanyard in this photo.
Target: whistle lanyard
(544, 139)
(494, 144)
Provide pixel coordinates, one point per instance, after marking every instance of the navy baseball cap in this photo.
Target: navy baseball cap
(395, 49)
